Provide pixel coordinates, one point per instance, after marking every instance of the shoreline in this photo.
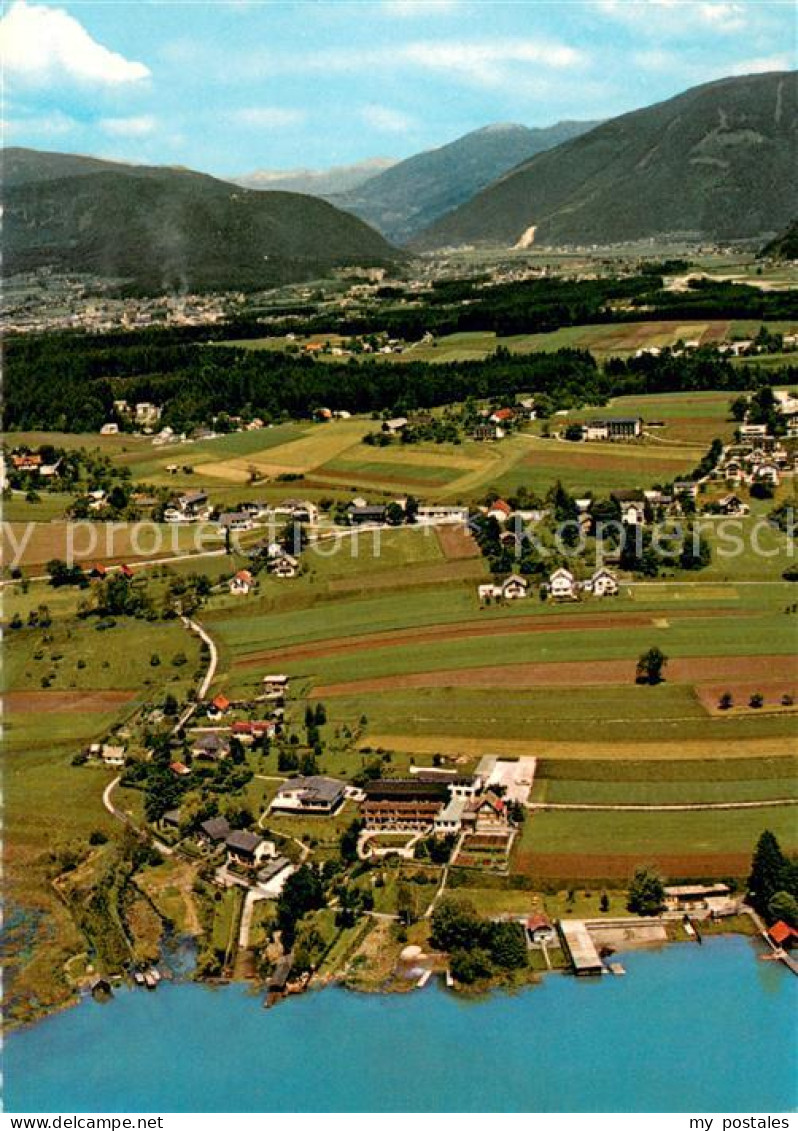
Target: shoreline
(394, 985)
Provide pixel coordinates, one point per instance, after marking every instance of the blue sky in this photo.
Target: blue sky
(233, 86)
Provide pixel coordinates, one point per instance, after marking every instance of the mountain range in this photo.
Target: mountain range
(170, 229)
(414, 193)
(316, 182)
(716, 162)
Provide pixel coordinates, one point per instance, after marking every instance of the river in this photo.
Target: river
(688, 1028)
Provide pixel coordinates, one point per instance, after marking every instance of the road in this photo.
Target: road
(686, 807)
(213, 662)
(108, 792)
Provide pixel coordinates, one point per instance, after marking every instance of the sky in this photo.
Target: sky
(231, 86)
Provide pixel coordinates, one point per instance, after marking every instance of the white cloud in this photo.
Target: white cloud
(762, 64)
(136, 126)
(387, 120)
(268, 117)
(723, 17)
(655, 17)
(42, 45)
(55, 124)
(406, 8)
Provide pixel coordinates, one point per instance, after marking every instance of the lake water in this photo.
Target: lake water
(689, 1028)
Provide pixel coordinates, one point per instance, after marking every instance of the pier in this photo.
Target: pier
(580, 948)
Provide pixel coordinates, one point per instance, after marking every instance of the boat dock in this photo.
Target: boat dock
(580, 947)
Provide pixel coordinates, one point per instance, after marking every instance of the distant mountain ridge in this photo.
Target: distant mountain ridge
(411, 195)
(717, 162)
(165, 229)
(316, 182)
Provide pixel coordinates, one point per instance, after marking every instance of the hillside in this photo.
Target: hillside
(316, 182)
(166, 229)
(716, 162)
(784, 246)
(413, 194)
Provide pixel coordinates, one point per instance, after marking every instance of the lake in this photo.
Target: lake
(689, 1028)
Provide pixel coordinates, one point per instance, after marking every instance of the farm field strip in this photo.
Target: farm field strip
(335, 646)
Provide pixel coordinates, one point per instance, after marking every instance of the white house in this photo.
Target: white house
(515, 587)
(241, 584)
(562, 586)
(284, 566)
(602, 584)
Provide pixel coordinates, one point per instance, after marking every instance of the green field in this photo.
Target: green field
(646, 835)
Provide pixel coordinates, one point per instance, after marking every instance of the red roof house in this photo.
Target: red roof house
(782, 934)
(221, 703)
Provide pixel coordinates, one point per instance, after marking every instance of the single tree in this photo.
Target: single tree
(651, 665)
(646, 892)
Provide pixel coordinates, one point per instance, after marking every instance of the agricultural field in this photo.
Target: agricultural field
(603, 340)
(607, 845)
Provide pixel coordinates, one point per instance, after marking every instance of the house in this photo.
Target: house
(614, 428)
(314, 794)
(247, 849)
(211, 747)
(528, 405)
(691, 897)
(753, 431)
(275, 686)
(248, 730)
(322, 414)
(284, 566)
(171, 819)
(112, 755)
(219, 706)
(98, 571)
(398, 424)
(147, 413)
(602, 584)
(767, 473)
(562, 585)
(502, 416)
(485, 814)
(783, 935)
(540, 929)
(687, 488)
(487, 432)
(514, 587)
(179, 769)
(632, 505)
(214, 831)
(438, 515)
(368, 515)
(241, 583)
(500, 510)
(403, 804)
(109, 429)
(449, 820)
(126, 572)
(733, 505)
(235, 520)
(26, 461)
(300, 510)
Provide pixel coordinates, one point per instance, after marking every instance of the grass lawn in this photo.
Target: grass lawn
(641, 834)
